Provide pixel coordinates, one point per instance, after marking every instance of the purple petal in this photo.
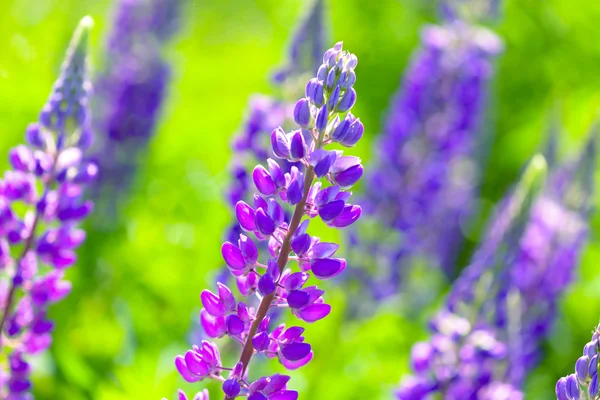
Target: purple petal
(295, 351)
(348, 216)
(266, 285)
(325, 268)
(235, 325)
(195, 364)
(245, 216)
(233, 256)
(349, 177)
(263, 181)
(324, 250)
(184, 371)
(331, 210)
(314, 312)
(291, 365)
(213, 326)
(285, 395)
(212, 303)
(248, 250)
(264, 223)
(226, 297)
(261, 341)
(280, 143)
(297, 146)
(298, 298)
(276, 383)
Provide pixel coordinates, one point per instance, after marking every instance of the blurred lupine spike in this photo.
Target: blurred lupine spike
(131, 89)
(583, 384)
(276, 286)
(48, 178)
(307, 44)
(525, 262)
(423, 185)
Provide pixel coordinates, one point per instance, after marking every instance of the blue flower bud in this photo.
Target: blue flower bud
(297, 146)
(322, 118)
(355, 132)
(231, 388)
(330, 81)
(349, 81)
(347, 101)
(315, 92)
(302, 114)
(322, 73)
(280, 143)
(581, 368)
(333, 98)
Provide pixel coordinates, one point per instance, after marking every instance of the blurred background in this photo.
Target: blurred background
(135, 300)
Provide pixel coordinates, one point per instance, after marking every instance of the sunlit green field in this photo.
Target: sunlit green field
(136, 287)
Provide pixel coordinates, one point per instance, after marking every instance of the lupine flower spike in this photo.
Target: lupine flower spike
(460, 358)
(130, 92)
(47, 181)
(583, 384)
(422, 187)
(318, 186)
(504, 302)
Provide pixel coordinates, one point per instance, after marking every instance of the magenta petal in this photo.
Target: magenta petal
(235, 325)
(277, 383)
(325, 268)
(314, 312)
(226, 297)
(285, 395)
(324, 250)
(348, 216)
(184, 371)
(295, 351)
(212, 304)
(213, 326)
(331, 210)
(195, 364)
(291, 365)
(245, 216)
(233, 256)
(263, 181)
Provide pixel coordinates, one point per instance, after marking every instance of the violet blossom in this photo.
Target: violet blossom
(41, 204)
(423, 185)
(318, 186)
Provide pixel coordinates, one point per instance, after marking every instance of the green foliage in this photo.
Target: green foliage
(136, 287)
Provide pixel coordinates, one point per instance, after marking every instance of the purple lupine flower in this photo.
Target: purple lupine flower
(583, 384)
(41, 204)
(130, 91)
(425, 177)
(275, 284)
(527, 259)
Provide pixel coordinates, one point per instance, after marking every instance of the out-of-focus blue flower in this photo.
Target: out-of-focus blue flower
(528, 257)
(422, 187)
(130, 92)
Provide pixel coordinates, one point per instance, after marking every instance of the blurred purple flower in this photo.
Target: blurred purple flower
(423, 184)
(511, 288)
(131, 90)
(44, 191)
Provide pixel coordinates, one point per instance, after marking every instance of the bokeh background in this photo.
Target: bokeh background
(136, 285)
